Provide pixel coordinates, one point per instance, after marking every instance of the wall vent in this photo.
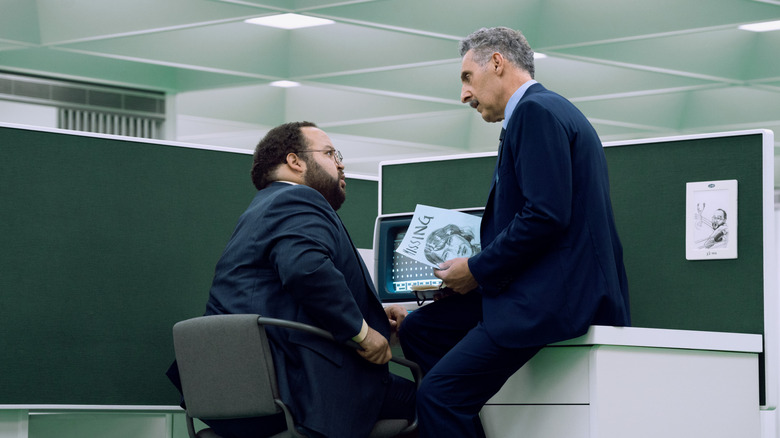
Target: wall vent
(106, 123)
(89, 107)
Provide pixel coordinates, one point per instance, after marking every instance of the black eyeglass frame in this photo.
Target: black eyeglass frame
(332, 153)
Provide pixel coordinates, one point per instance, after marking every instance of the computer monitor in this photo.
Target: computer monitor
(395, 274)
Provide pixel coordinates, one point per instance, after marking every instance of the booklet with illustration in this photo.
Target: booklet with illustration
(437, 235)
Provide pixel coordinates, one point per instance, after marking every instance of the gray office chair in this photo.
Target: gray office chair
(227, 372)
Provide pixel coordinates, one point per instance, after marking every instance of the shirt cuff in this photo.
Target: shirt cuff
(363, 333)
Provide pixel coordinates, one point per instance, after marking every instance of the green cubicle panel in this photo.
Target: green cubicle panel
(648, 184)
(359, 210)
(104, 244)
(458, 182)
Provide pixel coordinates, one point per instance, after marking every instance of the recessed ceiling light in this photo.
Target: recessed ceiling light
(762, 27)
(285, 84)
(289, 21)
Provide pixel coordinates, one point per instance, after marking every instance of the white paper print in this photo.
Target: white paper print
(437, 235)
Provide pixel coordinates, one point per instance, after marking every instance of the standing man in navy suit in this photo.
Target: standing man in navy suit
(290, 257)
(551, 263)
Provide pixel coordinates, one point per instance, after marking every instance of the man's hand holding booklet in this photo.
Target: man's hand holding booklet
(436, 235)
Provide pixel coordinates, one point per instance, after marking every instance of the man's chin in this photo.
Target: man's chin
(491, 119)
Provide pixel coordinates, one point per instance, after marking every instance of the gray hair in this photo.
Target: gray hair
(508, 42)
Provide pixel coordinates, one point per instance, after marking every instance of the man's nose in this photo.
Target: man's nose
(465, 94)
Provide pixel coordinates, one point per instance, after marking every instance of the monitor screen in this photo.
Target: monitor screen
(396, 274)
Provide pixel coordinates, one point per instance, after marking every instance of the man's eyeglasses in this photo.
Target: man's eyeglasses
(332, 153)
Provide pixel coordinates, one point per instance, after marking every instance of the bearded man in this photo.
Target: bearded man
(290, 257)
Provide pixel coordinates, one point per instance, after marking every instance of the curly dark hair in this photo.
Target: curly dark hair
(273, 149)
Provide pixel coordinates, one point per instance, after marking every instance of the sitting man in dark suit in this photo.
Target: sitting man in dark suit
(290, 257)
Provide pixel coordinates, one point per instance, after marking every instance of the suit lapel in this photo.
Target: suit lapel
(494, 182)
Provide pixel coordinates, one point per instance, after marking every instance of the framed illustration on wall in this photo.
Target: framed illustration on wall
(711, 220)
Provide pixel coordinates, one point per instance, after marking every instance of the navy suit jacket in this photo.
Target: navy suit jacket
(551, 263)
(290, 257)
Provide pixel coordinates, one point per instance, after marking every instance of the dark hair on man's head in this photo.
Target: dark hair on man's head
(273, 149)
(508, 42)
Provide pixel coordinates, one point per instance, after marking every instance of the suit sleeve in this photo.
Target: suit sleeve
(538, 151)
(303, 250)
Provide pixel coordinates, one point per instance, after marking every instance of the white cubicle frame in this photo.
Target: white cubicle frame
(771, 302)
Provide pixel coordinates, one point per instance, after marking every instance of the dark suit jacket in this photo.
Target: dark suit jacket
(551, 263)
(290, 257)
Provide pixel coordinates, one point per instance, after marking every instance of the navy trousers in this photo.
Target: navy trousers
(463, 366)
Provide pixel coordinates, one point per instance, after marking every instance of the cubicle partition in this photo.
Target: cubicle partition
(648, 187)
(105, 243)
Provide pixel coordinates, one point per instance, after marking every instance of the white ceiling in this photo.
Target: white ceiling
(384, 80)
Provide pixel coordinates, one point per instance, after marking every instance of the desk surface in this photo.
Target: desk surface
(91, 408)
(666, 338)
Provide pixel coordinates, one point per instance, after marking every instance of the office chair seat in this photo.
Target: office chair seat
(206, 433)
(389, 428)
(227, 372)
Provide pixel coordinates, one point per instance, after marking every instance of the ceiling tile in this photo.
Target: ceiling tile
(76, 20)
(19, 22)
(235, 48)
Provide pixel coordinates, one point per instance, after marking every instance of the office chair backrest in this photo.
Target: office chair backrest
(243, 384)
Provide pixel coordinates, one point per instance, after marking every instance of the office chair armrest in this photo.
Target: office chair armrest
(262, 320)
(417, 375)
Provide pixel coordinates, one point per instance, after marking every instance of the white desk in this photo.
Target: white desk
(78, 421)
(633, 383)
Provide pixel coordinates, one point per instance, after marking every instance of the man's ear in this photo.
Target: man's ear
(497, 63)
(295, 163)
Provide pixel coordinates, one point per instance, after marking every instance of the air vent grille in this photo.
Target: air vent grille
(91, 108)
(105, 123)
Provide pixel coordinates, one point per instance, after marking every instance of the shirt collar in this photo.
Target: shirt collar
(510, 106)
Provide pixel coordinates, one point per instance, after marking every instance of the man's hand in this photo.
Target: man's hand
(376, 349)
(395, 314)
(456, 275)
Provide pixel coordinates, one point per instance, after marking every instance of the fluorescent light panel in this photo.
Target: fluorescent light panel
(762, 27)
(284, 84)
(289, 21)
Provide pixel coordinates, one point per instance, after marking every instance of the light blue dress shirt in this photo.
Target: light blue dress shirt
(510, 106)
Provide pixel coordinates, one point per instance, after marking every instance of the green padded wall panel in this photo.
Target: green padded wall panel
(105, 244)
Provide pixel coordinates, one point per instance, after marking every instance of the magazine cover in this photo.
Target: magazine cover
(437, 235)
